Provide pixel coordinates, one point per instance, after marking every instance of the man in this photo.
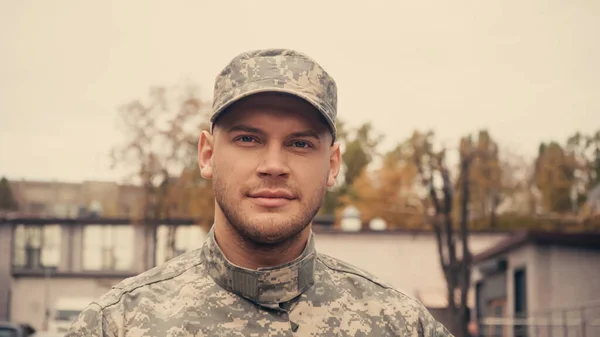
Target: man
(271, 154)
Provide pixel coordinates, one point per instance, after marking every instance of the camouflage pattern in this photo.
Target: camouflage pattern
(201, 293)
(276, 70)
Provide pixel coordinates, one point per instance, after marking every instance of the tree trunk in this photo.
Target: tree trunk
(170, 248)
(465, 265)
(457, 271)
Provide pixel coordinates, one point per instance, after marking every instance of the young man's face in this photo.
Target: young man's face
(271, 160)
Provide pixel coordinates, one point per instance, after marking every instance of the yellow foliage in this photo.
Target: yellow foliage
(388, 193)
(554, 178)
(191, 196)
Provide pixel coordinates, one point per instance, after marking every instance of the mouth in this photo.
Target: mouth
(272, 198)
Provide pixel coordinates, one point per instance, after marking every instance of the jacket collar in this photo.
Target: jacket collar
(266, 285)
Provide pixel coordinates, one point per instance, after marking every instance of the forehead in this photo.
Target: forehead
(273, 108)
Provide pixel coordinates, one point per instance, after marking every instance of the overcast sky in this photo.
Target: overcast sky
(527, 70)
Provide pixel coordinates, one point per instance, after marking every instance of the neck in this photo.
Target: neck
(250, 255)
(266, 286)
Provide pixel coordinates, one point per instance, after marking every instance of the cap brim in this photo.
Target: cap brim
(291, 92)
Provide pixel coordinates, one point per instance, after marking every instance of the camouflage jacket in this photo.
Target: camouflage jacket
(201, 293)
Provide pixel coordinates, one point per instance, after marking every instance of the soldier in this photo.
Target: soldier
(271, 153)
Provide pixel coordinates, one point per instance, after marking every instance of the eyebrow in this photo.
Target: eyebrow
(245, 128)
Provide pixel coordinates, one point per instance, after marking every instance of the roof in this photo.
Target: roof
(579, 240)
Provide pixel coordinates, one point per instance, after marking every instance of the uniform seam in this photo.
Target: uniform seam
(127, 290)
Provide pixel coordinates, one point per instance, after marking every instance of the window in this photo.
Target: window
(520, 300)
(108, 247)
(172, 241)
(37, 246)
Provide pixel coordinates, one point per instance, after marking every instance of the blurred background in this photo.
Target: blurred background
(470, 135)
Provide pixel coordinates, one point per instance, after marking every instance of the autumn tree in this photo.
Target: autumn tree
(585, 151)
(585, 148)
(388, 192)
(485, 174)
(555, 177)
(161, 135)
(516, 183)
(450, 228)
(191, 196)
(359, 148)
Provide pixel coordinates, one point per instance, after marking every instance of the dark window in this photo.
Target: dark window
(520, 281)
(479, 302)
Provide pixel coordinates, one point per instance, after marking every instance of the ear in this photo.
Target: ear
(205, 154)
(335, 162)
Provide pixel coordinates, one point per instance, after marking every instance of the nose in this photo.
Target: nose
(274, 162)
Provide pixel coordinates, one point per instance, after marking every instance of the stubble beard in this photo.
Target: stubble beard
(265, 231)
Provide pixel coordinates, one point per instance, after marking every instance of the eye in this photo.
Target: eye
(301, 144)
(245, 139)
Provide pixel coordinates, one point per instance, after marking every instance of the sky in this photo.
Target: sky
(525, 70)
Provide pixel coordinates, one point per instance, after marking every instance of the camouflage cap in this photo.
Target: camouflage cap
(276, 70)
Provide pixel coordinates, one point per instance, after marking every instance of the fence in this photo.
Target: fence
(569, 321)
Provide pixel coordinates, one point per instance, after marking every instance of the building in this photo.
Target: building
(68, 247)
(44, 262)
(66, 200)
(539, 284)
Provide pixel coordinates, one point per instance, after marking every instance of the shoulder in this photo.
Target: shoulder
(152, 285)
(404, 313)
(170, 274)
(145, 291)
(157, 282)
(104, 316)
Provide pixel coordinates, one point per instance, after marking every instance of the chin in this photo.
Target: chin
(271, 228)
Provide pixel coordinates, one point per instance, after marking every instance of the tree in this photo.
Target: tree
(436, 178)
(161, 138)
(555, 178)
(516, 184)
(7, 199)
(485, 174)
(359, 149)
(388, 192)
(192, 196)
(585, 150)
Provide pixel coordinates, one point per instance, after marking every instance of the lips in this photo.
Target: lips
(272, 198)
(275, 194)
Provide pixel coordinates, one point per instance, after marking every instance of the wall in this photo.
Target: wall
(574, 276)
(409, 262)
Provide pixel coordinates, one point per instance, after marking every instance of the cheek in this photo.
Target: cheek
(232, 169)
(312, 173)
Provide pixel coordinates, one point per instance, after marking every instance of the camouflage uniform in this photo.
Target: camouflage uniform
(201, 293)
